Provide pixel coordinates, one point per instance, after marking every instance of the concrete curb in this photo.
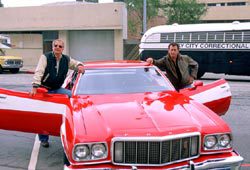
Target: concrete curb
(27, 71)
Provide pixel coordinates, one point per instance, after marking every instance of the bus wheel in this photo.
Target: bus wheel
(200, 74)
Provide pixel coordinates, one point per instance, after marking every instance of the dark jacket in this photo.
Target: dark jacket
(187, 66)
(51, 78)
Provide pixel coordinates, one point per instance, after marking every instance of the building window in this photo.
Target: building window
(48, 37)
(236, 3)
(211, 4)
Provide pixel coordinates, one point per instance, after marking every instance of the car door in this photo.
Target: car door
(215, 95)
(41, 113)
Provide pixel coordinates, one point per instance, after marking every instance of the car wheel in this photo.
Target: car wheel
(1, 69)
(14, 70)
(65, 160)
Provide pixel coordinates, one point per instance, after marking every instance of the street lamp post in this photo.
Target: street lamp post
(144, 16)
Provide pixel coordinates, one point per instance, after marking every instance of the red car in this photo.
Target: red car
(127, 115)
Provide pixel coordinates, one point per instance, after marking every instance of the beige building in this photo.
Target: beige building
(91, 31)
(226, 10)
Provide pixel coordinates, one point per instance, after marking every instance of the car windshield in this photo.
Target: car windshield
(122, 80)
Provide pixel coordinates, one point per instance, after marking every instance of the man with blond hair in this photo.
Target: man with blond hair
(51, 72)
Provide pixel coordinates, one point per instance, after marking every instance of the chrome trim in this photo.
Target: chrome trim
(12, 63)
(11, 66)
(232, 162)
(68, 168)
(90, 163)
(158, 139)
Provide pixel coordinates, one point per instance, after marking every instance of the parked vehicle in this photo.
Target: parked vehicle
(11, 63)
(217, 47)
(127, 115)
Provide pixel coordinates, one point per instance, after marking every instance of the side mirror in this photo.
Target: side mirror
(42, 90)
(198, 83)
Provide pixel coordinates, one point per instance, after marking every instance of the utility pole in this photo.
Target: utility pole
(144, 26)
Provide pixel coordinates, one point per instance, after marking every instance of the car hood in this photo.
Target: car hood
(144, 114)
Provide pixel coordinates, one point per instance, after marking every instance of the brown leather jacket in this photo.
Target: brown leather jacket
(187, 66)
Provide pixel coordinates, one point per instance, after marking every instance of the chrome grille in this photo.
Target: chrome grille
(155, 151)
(12, 62)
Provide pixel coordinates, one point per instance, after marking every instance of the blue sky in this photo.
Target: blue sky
(20, 3)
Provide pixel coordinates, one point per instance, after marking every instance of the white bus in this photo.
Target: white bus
(218, 47)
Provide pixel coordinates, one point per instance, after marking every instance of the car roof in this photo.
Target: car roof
(115, 64)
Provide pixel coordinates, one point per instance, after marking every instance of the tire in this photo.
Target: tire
(14, 70)
(1, 69)
(65, 160)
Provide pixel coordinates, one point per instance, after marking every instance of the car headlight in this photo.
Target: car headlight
(90, 151)
(210, 142)
(217, 142)
(224, 140)
(81, 152)
(98, 150)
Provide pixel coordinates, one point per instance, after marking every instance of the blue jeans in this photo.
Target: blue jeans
(45, 138)
(61, 91)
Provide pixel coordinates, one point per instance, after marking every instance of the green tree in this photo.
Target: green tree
(184, 11)
(152, 7)
(135, 13)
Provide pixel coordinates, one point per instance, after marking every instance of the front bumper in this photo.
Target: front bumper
(224, 164)
(9, 66)
(227, 163)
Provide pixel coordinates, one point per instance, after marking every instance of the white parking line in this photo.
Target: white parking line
(34, 154)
